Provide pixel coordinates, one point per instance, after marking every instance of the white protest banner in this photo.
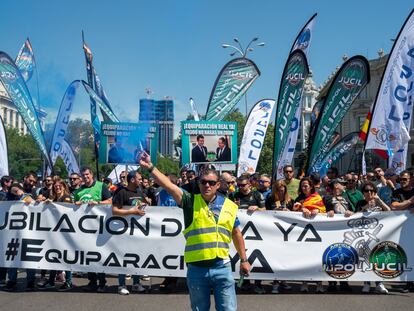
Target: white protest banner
(280, 245)
(254, 135)
(393, 106)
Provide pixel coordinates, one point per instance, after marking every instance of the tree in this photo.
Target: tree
(24, 156)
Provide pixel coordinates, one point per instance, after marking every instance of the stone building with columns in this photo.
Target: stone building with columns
(10, 115)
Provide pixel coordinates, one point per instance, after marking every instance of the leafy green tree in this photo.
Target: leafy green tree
(24, 156)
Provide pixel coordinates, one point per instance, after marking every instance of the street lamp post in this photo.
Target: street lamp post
(243, 53)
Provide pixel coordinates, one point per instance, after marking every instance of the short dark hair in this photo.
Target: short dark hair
(31, 173)
(132, 174)
(208, 172)
(191, 172)
(368, 183)
(86, 168)
(405, 173)
(74, 173)
(334, 170)
(288, 165)
(199, 136)
(5, 179)
(243, 178)
(315, 177)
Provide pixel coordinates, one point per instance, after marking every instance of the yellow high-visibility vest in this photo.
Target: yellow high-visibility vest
(207, 238)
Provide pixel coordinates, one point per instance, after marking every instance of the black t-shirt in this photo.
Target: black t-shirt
(125, 197)
(66, 198)
(400, 195)
(271, 204)
(251, 199)
(192, 187)
(44, 192)
(151, 193)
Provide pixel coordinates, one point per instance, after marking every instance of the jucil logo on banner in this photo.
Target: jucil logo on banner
(387, 259)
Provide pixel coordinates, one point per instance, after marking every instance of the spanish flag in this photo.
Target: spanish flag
(364, 133)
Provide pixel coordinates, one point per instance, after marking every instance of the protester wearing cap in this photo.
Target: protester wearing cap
(211, 223)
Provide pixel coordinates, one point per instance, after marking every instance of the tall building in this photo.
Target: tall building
(161, 113)
(11, 116)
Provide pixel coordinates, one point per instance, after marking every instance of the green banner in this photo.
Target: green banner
(232, 82)
(290, 93)
(349, 81)
(122, 142)
(212, 142)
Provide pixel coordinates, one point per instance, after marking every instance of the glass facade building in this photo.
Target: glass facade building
(161, 113)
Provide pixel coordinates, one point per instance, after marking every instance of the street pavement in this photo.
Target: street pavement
(154, 300)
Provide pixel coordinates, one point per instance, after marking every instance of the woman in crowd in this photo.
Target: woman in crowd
(60, 193)
(372, 203)
(279, 200)
(310, 203)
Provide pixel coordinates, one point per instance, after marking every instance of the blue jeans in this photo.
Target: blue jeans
(219, 278)
(121, 279)
(30, 275)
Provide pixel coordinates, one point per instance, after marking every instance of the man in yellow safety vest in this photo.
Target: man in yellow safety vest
(211, 223)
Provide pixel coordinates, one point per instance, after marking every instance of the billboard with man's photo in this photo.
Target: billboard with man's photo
(122, 142)
(213, 142)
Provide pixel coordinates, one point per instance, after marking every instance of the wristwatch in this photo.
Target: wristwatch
(243, 260)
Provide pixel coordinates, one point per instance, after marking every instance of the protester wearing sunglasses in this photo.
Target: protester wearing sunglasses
(352, 194)
(251, 200)
(292, 183)
(372, 203)
(211, 223)
(75, 181)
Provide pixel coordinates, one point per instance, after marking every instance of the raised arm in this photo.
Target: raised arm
(161, 179)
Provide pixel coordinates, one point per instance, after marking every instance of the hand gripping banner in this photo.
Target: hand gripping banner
(18, 92)
(233, 81)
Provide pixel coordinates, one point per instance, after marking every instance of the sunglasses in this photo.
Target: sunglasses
(369, 190)
(286, 172)
(241, 185)
(73, 178)
(206, 182)
(122, 177)
(404, 179)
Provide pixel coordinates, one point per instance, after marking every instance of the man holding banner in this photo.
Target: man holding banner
(210, 224)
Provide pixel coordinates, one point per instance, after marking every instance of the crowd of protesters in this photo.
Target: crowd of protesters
(333, 194)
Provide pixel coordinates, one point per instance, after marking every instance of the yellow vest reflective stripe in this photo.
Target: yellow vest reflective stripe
(207, 238)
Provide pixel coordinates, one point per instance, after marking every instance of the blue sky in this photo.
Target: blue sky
(174, 47)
